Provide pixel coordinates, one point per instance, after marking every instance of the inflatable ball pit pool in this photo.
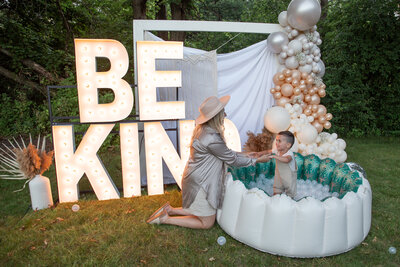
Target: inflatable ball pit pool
(304, 228)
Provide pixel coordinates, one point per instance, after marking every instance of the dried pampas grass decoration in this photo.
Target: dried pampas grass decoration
(24, 162)
(259, 142)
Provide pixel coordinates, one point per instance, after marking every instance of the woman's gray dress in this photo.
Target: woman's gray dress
(207, 169)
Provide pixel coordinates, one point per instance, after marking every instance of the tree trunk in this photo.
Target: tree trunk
(162, 15)
(70, 34)
(179, 12)
(21, 80)
(139, 9)
(33, 65)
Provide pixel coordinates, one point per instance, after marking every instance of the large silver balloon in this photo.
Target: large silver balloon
(276, 40)
(321, 66)
(303, 14)
(282, 18)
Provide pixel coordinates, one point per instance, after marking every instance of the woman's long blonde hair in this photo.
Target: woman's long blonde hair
(216, 123)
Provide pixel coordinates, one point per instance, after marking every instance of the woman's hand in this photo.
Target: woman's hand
(263, 158)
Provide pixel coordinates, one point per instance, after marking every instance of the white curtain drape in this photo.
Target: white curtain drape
(245, 75)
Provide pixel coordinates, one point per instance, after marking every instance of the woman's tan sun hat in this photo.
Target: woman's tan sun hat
(210, 107)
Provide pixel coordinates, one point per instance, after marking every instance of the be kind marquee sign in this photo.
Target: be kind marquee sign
(73, 163)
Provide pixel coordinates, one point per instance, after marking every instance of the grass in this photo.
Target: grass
(114, 232)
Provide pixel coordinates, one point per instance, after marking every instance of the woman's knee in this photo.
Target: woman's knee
(208, 222)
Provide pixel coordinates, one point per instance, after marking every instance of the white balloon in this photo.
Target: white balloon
(331, 149)
(318, 140)
(320, 150)
(319, 42)
(285, 48)
(283, 55)
(291, 63)
(281, 61)
(290, 36)
(294, 32)
(290, 52)
(301, 147)
(307, 134)
(341, 158)
(341, 144)
(321, 66)
(310, 118)
(317, 59)
(277, 119)
(316, 52)
(334, 135)
(288, 29)
(296, 45)
(306, 68)
(282, 18)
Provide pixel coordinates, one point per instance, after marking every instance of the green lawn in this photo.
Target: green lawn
(115, 233)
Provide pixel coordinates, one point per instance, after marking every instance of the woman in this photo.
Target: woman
(204, 175)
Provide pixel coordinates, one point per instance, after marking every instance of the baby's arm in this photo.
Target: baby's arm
(284, 159)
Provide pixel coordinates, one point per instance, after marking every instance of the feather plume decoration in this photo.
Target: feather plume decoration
(18, 162)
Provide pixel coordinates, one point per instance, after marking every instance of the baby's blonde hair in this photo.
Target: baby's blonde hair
(216, 123)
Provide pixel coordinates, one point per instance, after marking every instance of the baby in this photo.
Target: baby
(285, 180)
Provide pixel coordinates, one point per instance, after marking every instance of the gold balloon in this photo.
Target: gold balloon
(281, 77)
(328, 116)
(317, 126)
(303, 82)
(277, 95)
(296, 91)
(307, 98)
(304, 75)
(309, 80)
(287, 89)
(307, 112)
(282, 101)
(314, 107)
(295, 82)
(315, 99)
(321, 120)
(276, 79)
(296, 74)
(287, 72)
(311, 91)
(303, 105)
(273, 91)
(302, 86)
(289, 79)
(327, 125)
(277, 88)
(315, 115)
(322, 86)
(321, 111)
(321, 92)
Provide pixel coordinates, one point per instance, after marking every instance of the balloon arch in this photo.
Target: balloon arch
(309, 226)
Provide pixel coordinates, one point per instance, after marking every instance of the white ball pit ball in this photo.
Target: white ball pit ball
(277, 119)
(303, 229)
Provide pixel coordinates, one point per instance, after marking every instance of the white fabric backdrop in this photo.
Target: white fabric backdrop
(245, 75)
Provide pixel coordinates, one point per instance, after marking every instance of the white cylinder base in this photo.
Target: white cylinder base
(40, 190)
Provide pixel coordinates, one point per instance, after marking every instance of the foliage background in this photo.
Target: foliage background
(361, 50)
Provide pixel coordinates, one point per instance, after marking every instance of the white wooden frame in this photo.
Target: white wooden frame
(140, 26)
